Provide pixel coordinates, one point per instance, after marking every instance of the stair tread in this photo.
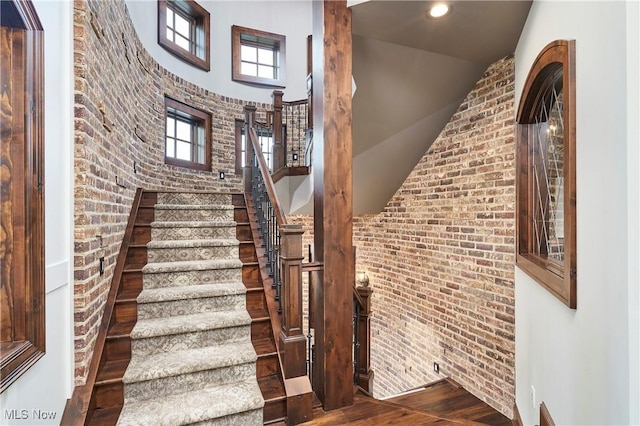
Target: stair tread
(112, 371)
(153, 327)
(194, 406)
(165, 294)
(194, 207)
(253, 284)
(264, 346)
(202, 242)
(272, 388)
(191, 265)
(174, 363)
(193, 224)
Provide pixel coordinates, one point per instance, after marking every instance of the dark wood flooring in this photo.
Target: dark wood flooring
(441, 403)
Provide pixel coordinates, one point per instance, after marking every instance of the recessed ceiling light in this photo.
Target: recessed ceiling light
(439, 10)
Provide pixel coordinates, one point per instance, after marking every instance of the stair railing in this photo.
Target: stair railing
(292, 139)
(282, 246)
(362, 373)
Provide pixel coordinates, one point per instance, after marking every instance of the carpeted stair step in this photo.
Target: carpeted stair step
(189, 213)
(167, 373)
(193, 198)
(192, 230)
(158, 335)
(185, 300)
(237, 403)
(191, 250)
(184, 273)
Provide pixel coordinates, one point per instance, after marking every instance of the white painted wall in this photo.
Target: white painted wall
(291, 18)
(43, 390)
(580, 362)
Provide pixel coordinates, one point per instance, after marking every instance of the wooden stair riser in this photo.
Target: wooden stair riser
(247, 252)
(240, 215)
(267, 365)
(196, 339)
(255, 299)
(274, 410)
(192, 253)
(191, 306)
(250, 272)
(260, 329)
(131, 281)
(188, 382)
(137, 255)
(243, 231)
(141, 235)
(145, 215)
(125, 311)
(108, 395)
(118, 348)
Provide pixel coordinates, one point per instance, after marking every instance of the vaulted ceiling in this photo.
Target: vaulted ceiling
(411, 74)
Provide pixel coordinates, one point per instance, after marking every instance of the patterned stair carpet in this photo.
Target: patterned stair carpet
(192, 361)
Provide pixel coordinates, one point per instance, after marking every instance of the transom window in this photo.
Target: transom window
(183, 29)
(546, 172)
(187, 141)
(258, 57)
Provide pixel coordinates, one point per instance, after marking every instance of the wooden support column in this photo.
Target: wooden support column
(293, 343)
(333, 203)
(364, 375)
(279, 154)
(249, 122)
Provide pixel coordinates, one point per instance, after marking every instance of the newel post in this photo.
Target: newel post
(292, 339)
(279, 155)
(364, 373)
(249, 123)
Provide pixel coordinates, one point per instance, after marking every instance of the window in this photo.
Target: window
(188, 136)
(183, 29)
(22, 271)
(265, 138)
(258, 57)
(546, 172)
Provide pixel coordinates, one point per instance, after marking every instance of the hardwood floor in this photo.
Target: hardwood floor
(440, 403)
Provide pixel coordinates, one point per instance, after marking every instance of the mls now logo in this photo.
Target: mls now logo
(29, 414)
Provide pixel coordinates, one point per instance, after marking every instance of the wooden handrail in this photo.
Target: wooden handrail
(270, 186)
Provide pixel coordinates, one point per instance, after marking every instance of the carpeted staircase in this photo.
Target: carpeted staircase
(192, 360)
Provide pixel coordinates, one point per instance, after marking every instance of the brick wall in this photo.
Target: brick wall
(440, 256)
(119, 120)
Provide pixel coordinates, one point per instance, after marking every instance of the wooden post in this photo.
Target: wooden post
(293, 344)
(333, 203)
(249, 123)
(279, 154)
(364, 375)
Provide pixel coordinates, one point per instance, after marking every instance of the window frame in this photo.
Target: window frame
(197, 117)
(559, 279)
(26, 295)
(279, 43)
(201, 20)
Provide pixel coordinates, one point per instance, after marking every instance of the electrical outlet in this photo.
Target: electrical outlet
(221, 174)
(436, 367)
(533, 397)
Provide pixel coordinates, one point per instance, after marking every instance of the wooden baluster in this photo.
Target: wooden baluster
(365, 374)
(249, 123)
(279, 154)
